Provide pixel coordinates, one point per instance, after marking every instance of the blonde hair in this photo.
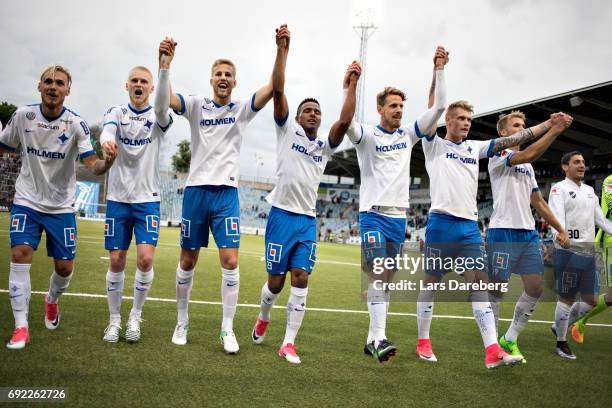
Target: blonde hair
(54, 68)
(503, 119)
(460, 105)
(389, 90)
(222, 61)
(141, 68)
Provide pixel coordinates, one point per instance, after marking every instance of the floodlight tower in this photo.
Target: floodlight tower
(364, 26)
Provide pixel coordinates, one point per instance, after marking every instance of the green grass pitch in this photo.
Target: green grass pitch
(334, 370)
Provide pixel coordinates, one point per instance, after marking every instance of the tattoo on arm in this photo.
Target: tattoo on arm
(519, 138)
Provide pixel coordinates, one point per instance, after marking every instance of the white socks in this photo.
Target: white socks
(377, 306)
(142, 284)
(425, 306)
(296, 306)
(114, 294)
(20, 291)
(57, 285)
(578, 310)
(483, 313)
(267, 301)
(230, 285)
(523, 310)
(495, 301)
(184, 283)
(562, 312)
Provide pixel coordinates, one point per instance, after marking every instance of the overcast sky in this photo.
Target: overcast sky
(502, 52)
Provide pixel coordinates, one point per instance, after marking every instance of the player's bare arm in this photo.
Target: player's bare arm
(559, 122)
(281, 108)
(99, 166)
(542, 208)
(524, 136)
(339, 128)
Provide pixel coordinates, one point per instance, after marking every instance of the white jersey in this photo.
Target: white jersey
(577, 209)
(50, 148)
(384, 164)
(300, 163)
(453, 174)
(216, 137)
(512, 187)
(134, 176)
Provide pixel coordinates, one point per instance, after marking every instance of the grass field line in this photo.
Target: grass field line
(95, 240)
(314, 309)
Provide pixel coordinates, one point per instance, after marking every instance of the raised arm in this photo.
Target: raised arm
(559, 122)
(340, 127)
(521, 137)
(165, 47)
(538, 202)
(281, 108)
(428, 121)
(162, 94)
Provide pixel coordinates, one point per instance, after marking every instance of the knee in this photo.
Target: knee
(21, 255)
(145, 262)
(63, 269)
(299, 279)
(187, 263)
(117, 261)
(229, 262)
(535, 292)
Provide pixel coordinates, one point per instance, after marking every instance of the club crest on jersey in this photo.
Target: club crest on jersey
(148, 124)
(18, 222)
(69, 237)
(274, 252)
(153, 224)
(109, 227)
(372, 239)
(63, 138)
(185, 228)
(572, 194)
(469, 149)
(232, 226)
(30, 116)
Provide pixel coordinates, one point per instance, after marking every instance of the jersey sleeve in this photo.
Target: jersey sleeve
(355, 132)
(83, 138)
(600, 220)
(485, 148)
(499, 160)
(557, 204)
(110, 125)
(249, 110)
(282, 127)
(430, 146)
(9, 136)
(188, 102)
(534, 182)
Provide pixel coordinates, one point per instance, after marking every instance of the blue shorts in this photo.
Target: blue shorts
(26, 226)
(574, 273)
(453, 238)
(381, 236)
(210, 208)
(513, 251)
(122, 218)
(291, 242)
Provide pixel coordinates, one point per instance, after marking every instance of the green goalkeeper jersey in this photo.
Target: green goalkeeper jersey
(606, 207)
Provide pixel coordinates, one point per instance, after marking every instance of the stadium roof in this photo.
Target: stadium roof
(591, 131)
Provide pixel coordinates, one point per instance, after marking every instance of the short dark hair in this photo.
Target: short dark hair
(568, 156)
(306, 101)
